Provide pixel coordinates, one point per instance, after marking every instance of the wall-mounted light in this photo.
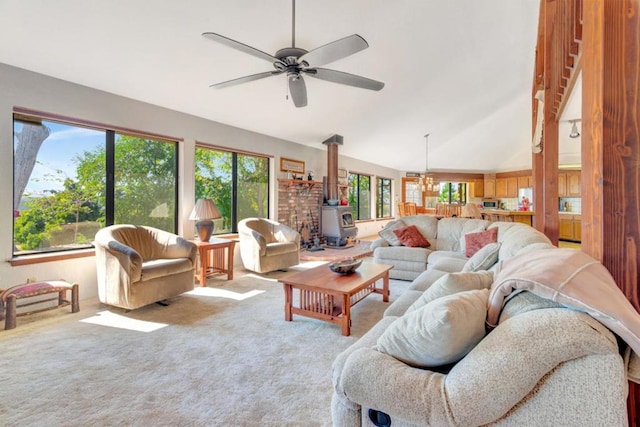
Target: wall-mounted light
(574, 128)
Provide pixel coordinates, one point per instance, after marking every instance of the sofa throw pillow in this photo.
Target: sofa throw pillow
(484, 258)
(441, 332)
(411, 236)
(452, 283)
(476, 241)
(388, 234)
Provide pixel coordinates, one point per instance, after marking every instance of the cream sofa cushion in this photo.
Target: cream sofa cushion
(484, 258)
(388, 234)
(452, 283)
(441, 332)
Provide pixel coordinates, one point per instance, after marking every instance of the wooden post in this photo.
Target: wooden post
(611, 146)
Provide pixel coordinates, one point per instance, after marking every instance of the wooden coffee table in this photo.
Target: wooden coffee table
(329, 296)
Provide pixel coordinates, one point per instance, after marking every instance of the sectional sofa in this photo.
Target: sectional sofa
(528, 335)
(447, 243)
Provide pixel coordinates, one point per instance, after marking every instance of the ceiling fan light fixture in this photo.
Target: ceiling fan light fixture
(427, 181)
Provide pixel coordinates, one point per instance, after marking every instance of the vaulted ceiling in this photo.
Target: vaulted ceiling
(459, 70)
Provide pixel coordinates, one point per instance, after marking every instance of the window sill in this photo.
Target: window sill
(58, 256)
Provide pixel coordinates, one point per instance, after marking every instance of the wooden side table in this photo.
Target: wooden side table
(212, 259)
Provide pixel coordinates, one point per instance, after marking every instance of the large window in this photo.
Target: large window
(360, 195)
(70, 181)
(237, 183)
(383, 197)
(453, 192)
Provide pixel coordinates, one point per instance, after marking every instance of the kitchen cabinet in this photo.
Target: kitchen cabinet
(562, 184)
(569, 184)
(507, 187)
(523, 181)
(573, 184)
(476, 188)
(501, 187)
(570, 227)
(489, 187)
(577, 229)
(512, 187)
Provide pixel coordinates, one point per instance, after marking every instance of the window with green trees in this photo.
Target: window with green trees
(383, 197)
(360, 195)
(238, 184)
(70, 181)
(453, 192)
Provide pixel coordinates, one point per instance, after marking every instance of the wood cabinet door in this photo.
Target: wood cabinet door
(577, 230)
(530, 180)
(562, 184)
(523, 181)
(489, 187)
(565, 230)
(573, 184)
(476, 188)
(512, 187)
(501, 187)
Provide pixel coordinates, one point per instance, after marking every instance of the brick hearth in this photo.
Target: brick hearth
(299, 204)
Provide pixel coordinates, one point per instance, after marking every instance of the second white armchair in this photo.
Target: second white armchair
(267, 245)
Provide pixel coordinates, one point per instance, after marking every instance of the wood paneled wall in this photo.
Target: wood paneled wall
(609, 56)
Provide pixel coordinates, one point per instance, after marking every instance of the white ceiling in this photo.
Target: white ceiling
(460, 70)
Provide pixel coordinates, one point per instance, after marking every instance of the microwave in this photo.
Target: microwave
(491, 204)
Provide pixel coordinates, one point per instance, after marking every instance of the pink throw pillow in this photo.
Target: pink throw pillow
(411, 236)
(476, 241)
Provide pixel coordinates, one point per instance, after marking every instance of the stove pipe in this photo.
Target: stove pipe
(332, 166)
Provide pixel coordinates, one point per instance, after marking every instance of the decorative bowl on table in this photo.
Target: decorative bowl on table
(345, 266)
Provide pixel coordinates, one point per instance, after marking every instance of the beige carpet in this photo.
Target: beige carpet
(219, 356)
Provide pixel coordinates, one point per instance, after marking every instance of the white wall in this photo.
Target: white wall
(38, 92)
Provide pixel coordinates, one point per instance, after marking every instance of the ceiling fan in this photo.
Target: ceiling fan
(295, 62)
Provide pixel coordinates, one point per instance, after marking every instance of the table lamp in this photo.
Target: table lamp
(470, 210)
(203, 213)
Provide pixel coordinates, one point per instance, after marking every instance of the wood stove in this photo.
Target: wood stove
(337, 224)
(336, 221)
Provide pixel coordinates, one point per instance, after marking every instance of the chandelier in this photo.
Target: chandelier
(427, 181)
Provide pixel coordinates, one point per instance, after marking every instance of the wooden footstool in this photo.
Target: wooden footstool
(9, 298)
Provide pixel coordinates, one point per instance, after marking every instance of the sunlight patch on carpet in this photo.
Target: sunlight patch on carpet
(107, 318)
(224, 293)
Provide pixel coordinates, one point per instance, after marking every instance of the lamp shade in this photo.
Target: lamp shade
(470, 210)
(204, 209)
(203, 213)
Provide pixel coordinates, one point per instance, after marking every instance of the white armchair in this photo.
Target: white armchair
(138, 265)
(267, 245)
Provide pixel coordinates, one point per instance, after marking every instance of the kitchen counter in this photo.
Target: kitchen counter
(524, 217)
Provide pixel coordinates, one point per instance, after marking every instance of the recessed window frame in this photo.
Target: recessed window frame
(383, 183)
(356, 181)
(110, 131)
(234, 215)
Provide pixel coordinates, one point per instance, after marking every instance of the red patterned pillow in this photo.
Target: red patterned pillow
(476, 241)
(411, 236)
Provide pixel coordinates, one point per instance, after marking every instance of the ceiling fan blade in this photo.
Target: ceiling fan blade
(335, 50)
(245, 79)
(240, 46)
(298, 91)
(344, 78)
